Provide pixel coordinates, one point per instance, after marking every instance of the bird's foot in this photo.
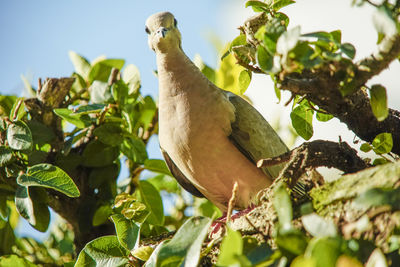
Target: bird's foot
(216, 226)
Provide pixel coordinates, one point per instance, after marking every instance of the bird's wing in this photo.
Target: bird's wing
(180, 177)
(253, 135)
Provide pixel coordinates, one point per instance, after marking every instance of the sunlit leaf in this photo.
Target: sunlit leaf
(6, 156)
(19, 136)
(288, 40)
(127, 231)
(264, 59)
(14, 260)
(325, 250)
(103, 251)
(302, 117)
(81, 64)
(231, 247)
(318, 226)
(49, 176)
(156, 165)
(185, 247)
(378, 101)
(283, 207)
(244, 80)
(151, 197)
(101, 69)
(32, 208)
(79, 120)
(383, 143)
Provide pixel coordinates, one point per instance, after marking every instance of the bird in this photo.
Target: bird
(210, 138)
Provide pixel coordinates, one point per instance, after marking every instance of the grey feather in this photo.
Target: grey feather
(254, 136)
(180, 177)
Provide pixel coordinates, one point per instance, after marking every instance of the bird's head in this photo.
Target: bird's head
(163, 32)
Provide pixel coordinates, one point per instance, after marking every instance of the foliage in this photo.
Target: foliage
(65, 149)
(69, 160)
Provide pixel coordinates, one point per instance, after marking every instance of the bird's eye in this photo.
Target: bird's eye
(175, 22)
(147, 30)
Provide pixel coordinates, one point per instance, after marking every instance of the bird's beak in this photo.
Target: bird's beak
(161, 32)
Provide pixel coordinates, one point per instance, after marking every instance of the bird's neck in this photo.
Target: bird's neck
(174, 68)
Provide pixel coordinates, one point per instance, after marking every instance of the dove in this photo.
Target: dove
(210, 138)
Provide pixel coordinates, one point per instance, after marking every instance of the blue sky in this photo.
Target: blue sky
(37, 35)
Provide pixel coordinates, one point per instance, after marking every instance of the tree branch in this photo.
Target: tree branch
(318, 153)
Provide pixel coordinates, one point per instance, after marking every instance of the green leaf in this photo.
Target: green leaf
(291, 242)
(100, 175)
(336, 36)
(101, 69)
(15, 261)
(258, 6)
(131, 76)
(136, 211)
(101, 215)
(378, 197)
(318, 226)
(348, 49)
(264, 59)
(302, 117)
(103, 251)
(378, 101)
(109, 134)
(244, 80)
(382, 143)
(239, 40)
(156, 165)
(79, 120)
(165, 182)
(323, 116)
(81, 64)
(325, 250)
(4, 210)
(19, 136)
(151, 197)
(127, 231)
(185, 247)
(97, 154)
(143, 253)
(283, 207)
(281, 3)
(255, 252)
(6, 104)
(380, 161)
(231, 247)
(32, 208)
(365, 147)
(90, 109)
(49, 176)
(41, 134)
(20, 113)
(134, 149)
(377, 258)
(6, 156)
(287, 41)
(100, 92)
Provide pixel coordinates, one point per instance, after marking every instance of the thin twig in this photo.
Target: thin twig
(15, 114)
(231, 203)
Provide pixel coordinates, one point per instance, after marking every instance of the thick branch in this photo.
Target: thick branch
(389, 50)
(314, 154)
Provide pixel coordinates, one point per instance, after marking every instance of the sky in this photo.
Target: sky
(37, 35)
